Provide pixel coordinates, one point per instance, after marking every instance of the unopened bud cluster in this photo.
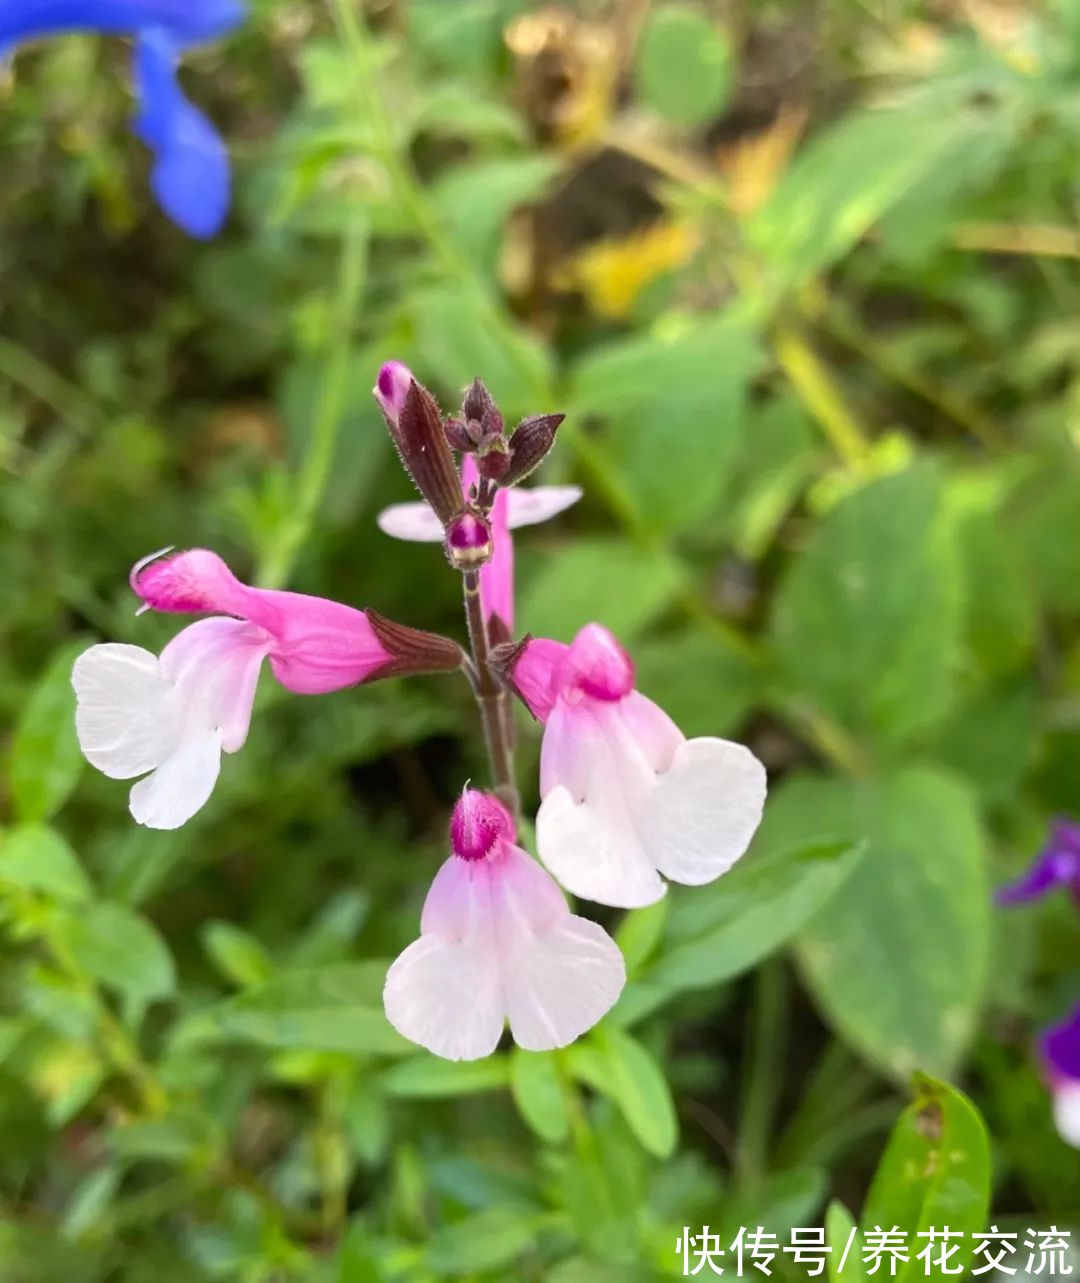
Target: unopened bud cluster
(426, 442)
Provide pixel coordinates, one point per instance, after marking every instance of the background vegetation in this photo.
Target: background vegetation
(804, 278)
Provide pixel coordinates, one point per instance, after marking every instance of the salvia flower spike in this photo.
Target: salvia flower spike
(498, 944)
(190, 177)
(627, 800)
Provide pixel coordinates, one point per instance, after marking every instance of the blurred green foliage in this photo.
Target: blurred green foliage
(804, 278)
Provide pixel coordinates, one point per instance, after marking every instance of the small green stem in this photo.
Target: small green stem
(491, 697)
(816, 388)
(762, 1070)
(278, 558)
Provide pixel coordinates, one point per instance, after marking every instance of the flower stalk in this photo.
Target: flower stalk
(496, 713)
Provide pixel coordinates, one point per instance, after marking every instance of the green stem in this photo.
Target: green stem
(491, 696)
(278, 558)
(762, 1070)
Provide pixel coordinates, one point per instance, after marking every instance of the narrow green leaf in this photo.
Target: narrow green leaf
(617, 1065)
(237, 955)
(845, 1262)
(426, 1077)
(727, 927)
(539, 1094)
(486, 1240)
(640, 933)
(333, 1008)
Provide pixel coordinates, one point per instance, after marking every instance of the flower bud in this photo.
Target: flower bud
(416, 428)
(468, 541)
(478, 407)
(493, 458)
(457, 434)
(529, 445)
(391, 388)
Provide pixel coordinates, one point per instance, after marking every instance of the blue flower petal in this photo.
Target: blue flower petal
(187, 21)
(191, 168)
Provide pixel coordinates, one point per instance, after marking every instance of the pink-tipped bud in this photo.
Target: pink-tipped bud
(479, 825)
(392, 387)
(192, 582)
(468, 541)
(597, 665)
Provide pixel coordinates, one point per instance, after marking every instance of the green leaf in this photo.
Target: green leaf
(845, 1262)
(897, 958)
(36, 857)
(617, 1065)
(867, 620)
(121, 949)
(484, 1241)
(538, 1093)
(989, 740)
(684, 65)
(428, 1078)
(332, 1008)
(640, 933)
(720, 930)
(1000, 610)
(848, 177)
(477, 199)
(673, 670)
(1044, 520)
(237, 955)
(674, 404)
(935, 1172)
(45, 759)
(606, 580)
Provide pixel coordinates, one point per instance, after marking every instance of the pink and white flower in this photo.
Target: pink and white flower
(513, 508)
(626, 796)
(170, 718)
(497, 944)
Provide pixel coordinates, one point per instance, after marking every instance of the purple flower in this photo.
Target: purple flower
(1057, 865)
(191, 166)
(1061, 1059)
